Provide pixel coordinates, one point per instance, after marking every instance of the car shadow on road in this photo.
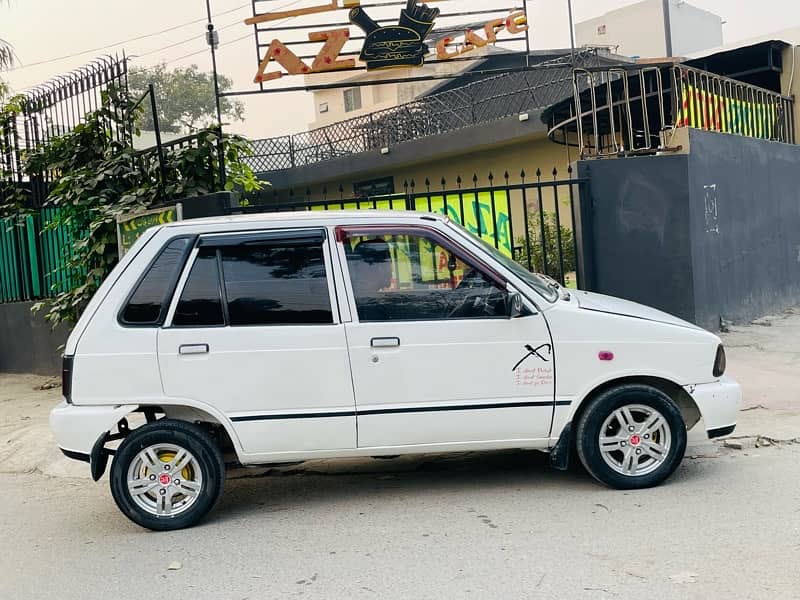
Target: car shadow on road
(422, 477)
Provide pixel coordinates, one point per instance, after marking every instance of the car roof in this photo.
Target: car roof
(305, 218)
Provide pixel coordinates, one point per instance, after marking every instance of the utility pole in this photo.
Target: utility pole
(668, 27)
(571, 32)
(212, 38)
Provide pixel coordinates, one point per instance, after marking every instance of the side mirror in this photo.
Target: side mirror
(515, 305)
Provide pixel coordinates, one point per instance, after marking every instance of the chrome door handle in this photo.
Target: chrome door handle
(385, 342)
(193, 349)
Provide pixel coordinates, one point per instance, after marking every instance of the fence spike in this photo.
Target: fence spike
(475, 179)
(491, 178)
(459, 181)
(538, 173)
(522, 175)
(569, 170)
(506, 176)
(444, 183)
(555, 172)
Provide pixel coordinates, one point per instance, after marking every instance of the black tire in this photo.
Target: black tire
(184, 435)
(601, 408)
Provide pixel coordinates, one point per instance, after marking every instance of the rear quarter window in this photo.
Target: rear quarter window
(147, 305)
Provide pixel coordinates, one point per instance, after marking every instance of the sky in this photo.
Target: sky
(44, 30)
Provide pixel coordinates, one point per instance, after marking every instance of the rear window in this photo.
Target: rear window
(149, 301)
(201, 301)
(276, 284)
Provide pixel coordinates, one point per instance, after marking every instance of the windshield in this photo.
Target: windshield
(537, 282)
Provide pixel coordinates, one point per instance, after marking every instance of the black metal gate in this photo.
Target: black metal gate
(529, 218)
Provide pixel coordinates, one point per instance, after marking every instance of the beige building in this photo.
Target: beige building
(638, 30)
(339, 104)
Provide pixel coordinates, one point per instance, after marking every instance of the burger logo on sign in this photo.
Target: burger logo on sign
(401, 45)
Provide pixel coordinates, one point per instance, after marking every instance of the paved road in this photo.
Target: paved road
(487, 526)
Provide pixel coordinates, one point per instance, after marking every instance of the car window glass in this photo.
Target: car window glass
(276, 283)
(412, 278)
(200, 304)
(148, 303)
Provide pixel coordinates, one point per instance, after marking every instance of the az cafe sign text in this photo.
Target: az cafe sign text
(400, 45)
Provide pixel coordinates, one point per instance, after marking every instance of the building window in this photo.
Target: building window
(323, 107)
(352, 100)
(374, 187)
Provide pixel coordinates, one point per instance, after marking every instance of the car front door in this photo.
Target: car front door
(254, 331)
(434, 355)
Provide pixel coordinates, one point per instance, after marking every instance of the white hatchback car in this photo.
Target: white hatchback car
(290, 337)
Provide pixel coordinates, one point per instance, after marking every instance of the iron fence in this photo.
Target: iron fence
(529, 218)
(34, 252)
(50, 109)
(628, 110)
(479, 102)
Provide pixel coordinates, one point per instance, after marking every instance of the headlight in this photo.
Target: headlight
(720, 363)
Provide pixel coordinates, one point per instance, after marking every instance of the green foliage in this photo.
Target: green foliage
(99, 177)
(184, 98)
(535, 250)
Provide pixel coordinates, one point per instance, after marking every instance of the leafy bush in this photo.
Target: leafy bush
(531, 253)
(98, 178)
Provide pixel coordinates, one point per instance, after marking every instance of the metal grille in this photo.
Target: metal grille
(481, 101)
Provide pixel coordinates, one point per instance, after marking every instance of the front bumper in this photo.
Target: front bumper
(719, 405)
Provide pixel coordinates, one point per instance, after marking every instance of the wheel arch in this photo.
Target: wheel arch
(565, 447)
(684, 401)
(173, 409)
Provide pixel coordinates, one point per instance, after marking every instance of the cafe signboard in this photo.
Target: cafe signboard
(399, 41)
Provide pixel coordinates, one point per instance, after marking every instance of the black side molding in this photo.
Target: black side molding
(721, 432)
(75, 455)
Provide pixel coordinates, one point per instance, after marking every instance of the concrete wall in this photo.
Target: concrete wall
(745, 226)
(711, 235)
(693, 29)
(638, 29)
(27, 343)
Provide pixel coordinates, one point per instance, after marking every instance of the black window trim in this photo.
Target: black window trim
(299, 236)
(168, 297)
(283, 237)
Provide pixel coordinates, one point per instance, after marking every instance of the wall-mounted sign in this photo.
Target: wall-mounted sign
(398, 44)
(130, 227)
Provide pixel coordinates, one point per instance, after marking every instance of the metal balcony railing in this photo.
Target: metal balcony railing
(479, 102)
(632, 110)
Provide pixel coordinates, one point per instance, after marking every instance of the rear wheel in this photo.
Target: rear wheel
(167, 475)
(632, 436)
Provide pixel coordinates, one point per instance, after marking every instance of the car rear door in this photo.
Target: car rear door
(434, 356)
(254, 330)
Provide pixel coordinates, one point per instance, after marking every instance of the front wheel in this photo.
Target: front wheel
(631, 437)
(167, 475)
